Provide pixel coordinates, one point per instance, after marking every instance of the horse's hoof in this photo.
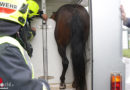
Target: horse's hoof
(62, 86)
(74, 84)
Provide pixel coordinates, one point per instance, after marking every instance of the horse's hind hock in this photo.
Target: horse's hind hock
(62, 86)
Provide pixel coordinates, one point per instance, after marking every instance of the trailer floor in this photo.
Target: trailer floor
(56, 87)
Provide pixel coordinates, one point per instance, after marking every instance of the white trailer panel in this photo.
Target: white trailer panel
(107, 45)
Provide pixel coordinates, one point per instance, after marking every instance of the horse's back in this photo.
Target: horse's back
(68, 10)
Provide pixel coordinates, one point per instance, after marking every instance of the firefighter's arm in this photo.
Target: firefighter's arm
(43, 15)
(127, 22)
(14, 69)
(30, 31)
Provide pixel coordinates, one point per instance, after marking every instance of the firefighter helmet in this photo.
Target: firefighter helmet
(14, 10)
(33, 8)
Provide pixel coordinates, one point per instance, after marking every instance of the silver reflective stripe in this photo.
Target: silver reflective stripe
(10, 40)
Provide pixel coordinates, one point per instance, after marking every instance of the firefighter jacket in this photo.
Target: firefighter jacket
(16, 70)
(127, 22)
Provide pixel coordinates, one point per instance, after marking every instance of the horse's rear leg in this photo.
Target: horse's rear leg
(65, 62)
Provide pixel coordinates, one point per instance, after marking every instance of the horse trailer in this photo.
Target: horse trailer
(105, 69)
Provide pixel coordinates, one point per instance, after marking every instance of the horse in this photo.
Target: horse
(72, 28)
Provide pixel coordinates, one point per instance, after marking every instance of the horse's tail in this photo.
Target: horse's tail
(78, 40)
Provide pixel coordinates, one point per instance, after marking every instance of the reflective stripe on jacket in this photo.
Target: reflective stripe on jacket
(16, 69)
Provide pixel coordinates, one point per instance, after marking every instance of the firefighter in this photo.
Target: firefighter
(16, 70)
(126, 20)
(34, 11)
(29, 31)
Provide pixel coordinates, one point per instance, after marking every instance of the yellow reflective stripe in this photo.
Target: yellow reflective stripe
(7, 39)
(31, 36)
(32, 71)
(44, 87)
(10, 40)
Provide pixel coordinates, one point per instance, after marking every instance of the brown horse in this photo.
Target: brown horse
(72, 27)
